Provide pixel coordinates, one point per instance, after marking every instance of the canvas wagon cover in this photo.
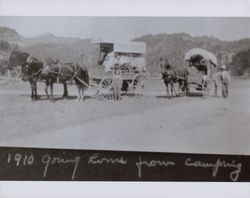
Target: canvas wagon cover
(133, 47)
(111, 60)
(205, 54)
(130, 47)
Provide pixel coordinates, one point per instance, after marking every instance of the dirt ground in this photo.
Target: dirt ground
(140, 123)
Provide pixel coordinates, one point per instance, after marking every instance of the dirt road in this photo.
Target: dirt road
(148, 123)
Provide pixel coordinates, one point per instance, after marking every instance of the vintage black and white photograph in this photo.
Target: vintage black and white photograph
(164, 84)
(107, 78)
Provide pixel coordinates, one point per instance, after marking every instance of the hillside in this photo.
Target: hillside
(9, 35)
(175, 46)
(172, 46)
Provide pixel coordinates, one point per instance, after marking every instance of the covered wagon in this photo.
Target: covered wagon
(129, 57)
(202, 65)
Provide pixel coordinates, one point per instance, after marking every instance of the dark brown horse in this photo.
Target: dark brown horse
(33, 69)
(171, 75)
(30, 70)
(168, 76)
(63, 72)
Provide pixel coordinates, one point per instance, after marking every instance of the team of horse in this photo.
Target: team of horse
(51, 72)
(34, 70)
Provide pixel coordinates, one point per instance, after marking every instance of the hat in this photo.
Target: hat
(223, 67)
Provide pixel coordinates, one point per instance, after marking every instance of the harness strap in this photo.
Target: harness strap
(36, 73)
(76, 72)
(60, 73)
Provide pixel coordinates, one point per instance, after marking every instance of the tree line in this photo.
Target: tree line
(240, 62)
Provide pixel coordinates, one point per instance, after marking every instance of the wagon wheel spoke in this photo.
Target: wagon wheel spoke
(106, 83)
(138, 82)
(105, 89)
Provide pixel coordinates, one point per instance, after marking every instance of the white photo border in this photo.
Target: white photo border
(188, 8)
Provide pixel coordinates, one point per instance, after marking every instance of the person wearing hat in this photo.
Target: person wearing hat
(225, 81)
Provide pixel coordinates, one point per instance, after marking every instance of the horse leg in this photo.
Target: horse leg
(172, 90)
(227, 89)
(83, 98)
(182, 87)
(167, 90)
(32, 90)
(65, 93)
(79, 92)
(46, 89)
(35, 90)
(176, 88)
(186, 87)
(215, 88)
(51, 92)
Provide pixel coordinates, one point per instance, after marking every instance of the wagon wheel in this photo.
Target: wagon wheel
(137, 83)
(105, 89)
(205, 89)
(189, 88)
(178, 88)
(192, 88)
(212, 88)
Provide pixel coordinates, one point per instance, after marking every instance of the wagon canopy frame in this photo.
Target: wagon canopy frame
(202, 65)
(205, 54)
(129, 56)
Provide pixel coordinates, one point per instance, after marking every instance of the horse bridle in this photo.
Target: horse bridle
(29, 60)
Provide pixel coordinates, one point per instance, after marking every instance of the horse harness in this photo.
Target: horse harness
(29, 60)
(60, 73)
(168, 75)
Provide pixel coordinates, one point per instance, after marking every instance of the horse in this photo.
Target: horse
(63, 72)
(30, 70)
(171, 75)
(33, 69)
(168, 75)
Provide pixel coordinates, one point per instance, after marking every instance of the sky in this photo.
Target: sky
(127, 28)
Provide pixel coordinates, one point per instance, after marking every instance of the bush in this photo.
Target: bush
(4, 45)
(240, 62)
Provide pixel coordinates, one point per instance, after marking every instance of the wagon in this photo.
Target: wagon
(202, 65)
(129, 57)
